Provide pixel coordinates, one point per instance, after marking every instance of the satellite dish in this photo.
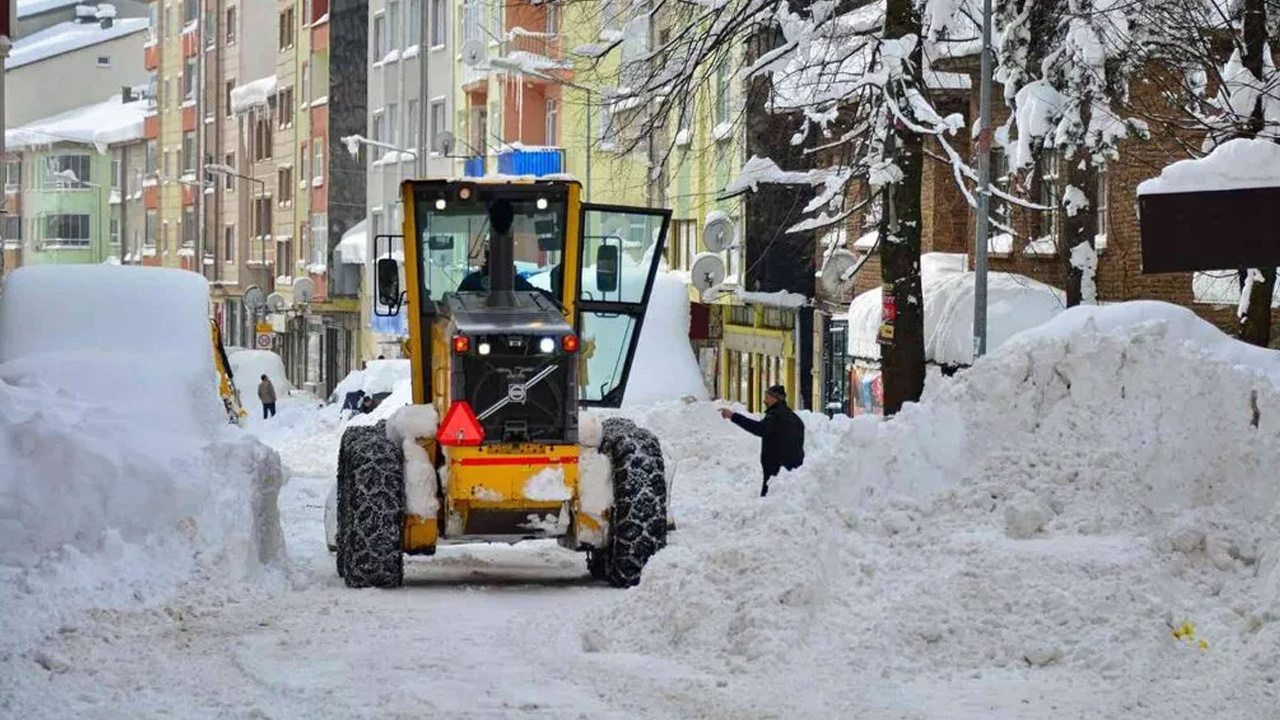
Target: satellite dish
(255, 298)
(443, 143)
(473, 52)
(276, 302)
(717, 236)
(707, 271)
(303, 290)
(834, 273)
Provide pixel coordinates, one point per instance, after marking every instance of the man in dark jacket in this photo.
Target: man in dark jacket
(780, 431)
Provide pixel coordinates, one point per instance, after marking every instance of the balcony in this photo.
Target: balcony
(532, 55)
(151, 56)
(474, 167)
(538, 162)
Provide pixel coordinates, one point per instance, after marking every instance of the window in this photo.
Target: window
(552, 123)
(12, 227)
(65, 229)
(229, 243)
(189, 80)
(104, 61)
(412, 124)
(67, 171)
(210, 29)
(379, 36)
(262, 216)
(284, 185)
(302, 158)
(262, 138)
(1047, 164)
(149, 230)
(228, 178)
(553, 18)
(153, 12)
(379, 127)
(168, 91)
(189, 8)
(683, 245)
(393, 24)
(413, 25)
(188, 152)
(231, 85)
(305, 87)
(722, 92)
(231, 26)
(608, 133)
(164, 235)
(285, 109)
(479, 130)
(115, 232)
(318, 165)
(438, 121)
(307, 12)
(439, 22)
(393, 117)
(13, 175)
(286, 29)
(189, 226)
(115, 174)
(152, 151)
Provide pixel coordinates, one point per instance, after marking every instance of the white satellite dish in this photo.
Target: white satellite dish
(717, 236)
(255, 298)
(303, 290)
(276, 302)
(707, 271)
(835, 276)
(473, 52)
(443, 143)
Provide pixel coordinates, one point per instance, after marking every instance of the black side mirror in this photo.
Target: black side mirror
(607, 269)
(439, 243)
(388, 278)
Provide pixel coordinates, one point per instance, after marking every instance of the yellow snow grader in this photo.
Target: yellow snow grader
(524, 305)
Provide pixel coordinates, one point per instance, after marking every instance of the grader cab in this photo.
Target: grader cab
(524, 306)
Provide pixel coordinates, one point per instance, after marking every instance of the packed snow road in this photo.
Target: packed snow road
(482, 631)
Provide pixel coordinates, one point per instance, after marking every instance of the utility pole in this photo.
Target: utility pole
(984, 192)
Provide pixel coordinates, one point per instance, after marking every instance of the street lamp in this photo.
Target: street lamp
(353, 143)
(70, 176)
(228, 171)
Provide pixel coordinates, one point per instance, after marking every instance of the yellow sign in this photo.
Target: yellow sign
(886, 332)
(264, 328)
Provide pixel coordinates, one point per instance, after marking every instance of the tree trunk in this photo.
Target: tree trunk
(1255, 322)
(1082, 227)
(902, 356)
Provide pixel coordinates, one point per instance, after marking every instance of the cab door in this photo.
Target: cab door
(618, 260)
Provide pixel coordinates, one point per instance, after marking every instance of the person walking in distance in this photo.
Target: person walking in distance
(781, 434)
(267, 394)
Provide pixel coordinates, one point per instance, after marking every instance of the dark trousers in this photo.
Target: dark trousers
(769, 474)
(268, 410)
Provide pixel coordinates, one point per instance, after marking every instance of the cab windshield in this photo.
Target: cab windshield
(454, 241)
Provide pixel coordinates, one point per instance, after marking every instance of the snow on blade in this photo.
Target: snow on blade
(1238, 164)
(547, 485)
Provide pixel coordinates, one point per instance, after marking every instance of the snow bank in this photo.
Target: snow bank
(121, 478)
(1014, 303)
(400, 396)
(1238, 164)
(248, 367)
(1029, 536)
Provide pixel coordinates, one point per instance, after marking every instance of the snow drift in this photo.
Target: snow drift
(248, 367)
(121, 477)
(1046, 520)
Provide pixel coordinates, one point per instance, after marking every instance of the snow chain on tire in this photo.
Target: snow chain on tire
(370, 508)
(638, 523)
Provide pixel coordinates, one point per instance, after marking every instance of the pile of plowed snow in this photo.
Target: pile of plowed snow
(121, 478)
(1023, 543)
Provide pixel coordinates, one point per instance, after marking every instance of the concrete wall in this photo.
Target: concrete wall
(77, 77)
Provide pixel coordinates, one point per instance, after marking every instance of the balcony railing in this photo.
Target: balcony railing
(536, 162)
(474, 167)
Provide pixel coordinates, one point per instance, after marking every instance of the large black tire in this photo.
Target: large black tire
(638, 523)
(370, 508)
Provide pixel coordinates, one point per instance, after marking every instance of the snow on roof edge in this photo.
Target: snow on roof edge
(108, 122)
(1240, 164)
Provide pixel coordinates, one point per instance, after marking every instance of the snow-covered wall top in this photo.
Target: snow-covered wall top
(1238, 164)
(68, 36)
(256, 94)
(1014, 303)
(99, 124)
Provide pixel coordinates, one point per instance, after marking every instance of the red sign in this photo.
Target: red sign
(460, 426)
(890, 309)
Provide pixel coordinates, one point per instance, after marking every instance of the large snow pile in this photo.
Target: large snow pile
(1028, 541)
(1239, 164)
(378, 376)
(1014, 303)
(121, 477)
(664, 367)
(247, 369)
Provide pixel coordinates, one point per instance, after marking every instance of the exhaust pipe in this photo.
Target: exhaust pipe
(502, 266)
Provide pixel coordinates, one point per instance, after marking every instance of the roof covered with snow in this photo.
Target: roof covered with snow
(27, 8)
(1014, 303)
(1238, 164)
(99, 124)
(68, 36)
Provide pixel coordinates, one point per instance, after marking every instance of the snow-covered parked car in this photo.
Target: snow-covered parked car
(377, 380)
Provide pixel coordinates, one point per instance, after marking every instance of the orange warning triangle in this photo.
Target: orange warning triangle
(460, 426)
